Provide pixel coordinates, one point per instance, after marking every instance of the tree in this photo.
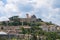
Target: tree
(3, 38)
(14, 21)
(4, 23)
(51, 35)
(49, 23)
(23, 31)
(36, 31)
(28, 32)
(39, 20)
(14, 18)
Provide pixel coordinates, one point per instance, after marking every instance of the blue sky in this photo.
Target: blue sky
(47, 10)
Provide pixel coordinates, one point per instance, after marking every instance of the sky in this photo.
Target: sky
(47, 10)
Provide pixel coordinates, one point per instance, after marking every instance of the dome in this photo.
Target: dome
(2, 33)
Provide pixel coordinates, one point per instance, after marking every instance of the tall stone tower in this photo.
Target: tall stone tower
(27, 15)
(27, 18)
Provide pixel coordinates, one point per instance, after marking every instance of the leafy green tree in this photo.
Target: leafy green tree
(58, 36)
(51, 35)
(14, 18)
(23, 31)
(28, 32)
(14, 21)
(49, 23)
(39, 20)
(3, 38)
(36, 31)
(4, 23)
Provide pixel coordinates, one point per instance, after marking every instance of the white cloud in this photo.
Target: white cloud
(44, 8)
(11, 7)
(1, 3)
(4, 19)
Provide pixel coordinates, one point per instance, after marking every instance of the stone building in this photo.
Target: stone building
(28, 18)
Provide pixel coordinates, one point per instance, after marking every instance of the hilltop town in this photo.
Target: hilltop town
(29, 21)
(28, 25)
